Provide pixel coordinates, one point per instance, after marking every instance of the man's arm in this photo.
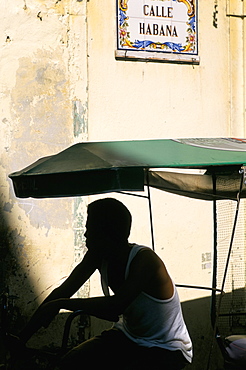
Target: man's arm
(76, 279)
(147, 273)
(101, 307)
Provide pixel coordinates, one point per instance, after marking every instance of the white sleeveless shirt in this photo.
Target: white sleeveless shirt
(152, 322)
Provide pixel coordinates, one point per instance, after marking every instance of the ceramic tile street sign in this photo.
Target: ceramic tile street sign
(157, 29)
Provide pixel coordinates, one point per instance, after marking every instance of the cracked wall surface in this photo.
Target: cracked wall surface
(43, 110)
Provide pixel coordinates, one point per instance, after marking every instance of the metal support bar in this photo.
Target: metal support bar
(214, 281)
(198, 287)
(232, 314)
(150, 213)
(150, 207)
(132, 194)
(67, 328)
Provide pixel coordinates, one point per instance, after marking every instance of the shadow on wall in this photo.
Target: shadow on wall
(232, 319)
(198, 320)
(10, 243)
(11, 319)
(18, 292)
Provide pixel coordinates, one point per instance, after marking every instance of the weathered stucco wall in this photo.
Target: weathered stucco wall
(42, 112)
(60, 83)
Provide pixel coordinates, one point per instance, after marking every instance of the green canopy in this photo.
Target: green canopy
(98, 167)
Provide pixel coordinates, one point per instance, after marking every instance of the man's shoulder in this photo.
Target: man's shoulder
(146, 256)
(144, 249)
(140, 248)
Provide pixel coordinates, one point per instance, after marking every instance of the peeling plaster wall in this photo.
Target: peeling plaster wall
(43, 110)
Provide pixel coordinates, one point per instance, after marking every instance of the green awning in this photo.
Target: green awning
(98, 167)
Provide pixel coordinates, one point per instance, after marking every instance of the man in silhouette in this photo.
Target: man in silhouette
(149, 331)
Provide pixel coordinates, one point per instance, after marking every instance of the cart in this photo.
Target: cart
(131, 166)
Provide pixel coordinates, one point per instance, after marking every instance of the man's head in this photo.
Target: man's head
(108, 219)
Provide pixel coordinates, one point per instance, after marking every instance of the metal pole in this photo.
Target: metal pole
(150, 213)
(214, 281)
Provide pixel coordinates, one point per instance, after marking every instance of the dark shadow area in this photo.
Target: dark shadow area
(232, 317)
(197, 317)
(198, 320)
(46, 356)
(207, 354)
(11, 315)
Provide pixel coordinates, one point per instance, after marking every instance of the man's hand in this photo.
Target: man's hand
(42, 317)
(47, 311)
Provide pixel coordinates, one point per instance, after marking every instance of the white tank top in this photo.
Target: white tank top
(152, 322)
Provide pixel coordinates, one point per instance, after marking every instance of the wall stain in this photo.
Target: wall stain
(41, 110)
(59, 7)
(7, 207)
(40, 102)
(80, 123)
